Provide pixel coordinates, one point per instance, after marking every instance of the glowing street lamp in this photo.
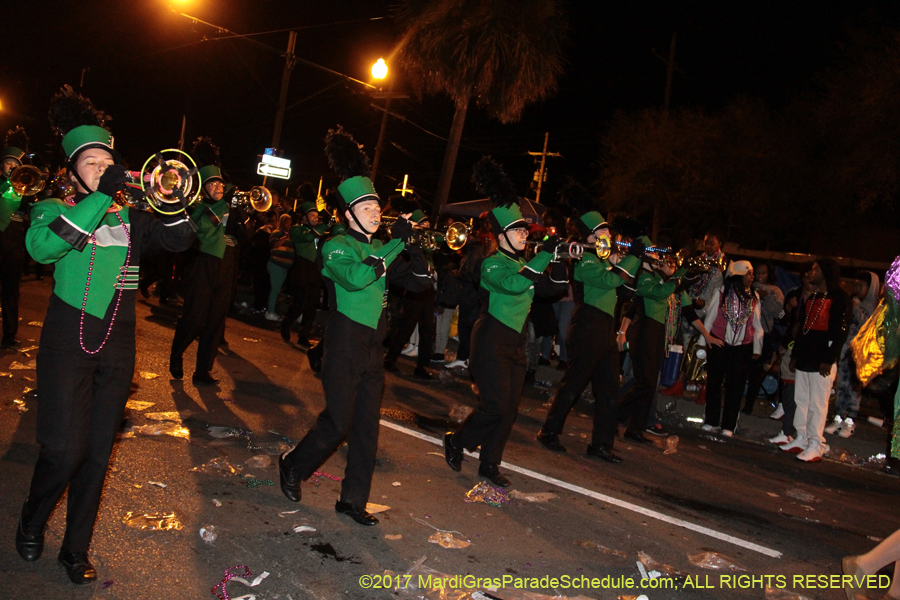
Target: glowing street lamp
(379, 69)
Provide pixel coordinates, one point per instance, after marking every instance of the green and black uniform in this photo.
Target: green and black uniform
(86, 360)
(305, 281)
(355, 272)
(647, 345)
(209, 289)
(12, 258)
(497, 357)
(591, 348)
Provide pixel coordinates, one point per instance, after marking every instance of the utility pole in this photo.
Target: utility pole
(540, 174)
(285, 83)
(670, 76)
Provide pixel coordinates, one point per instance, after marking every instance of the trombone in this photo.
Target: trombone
(455, 236)
(259, 198)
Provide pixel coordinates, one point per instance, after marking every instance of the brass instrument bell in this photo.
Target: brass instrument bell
(26, 180)
(259, 198)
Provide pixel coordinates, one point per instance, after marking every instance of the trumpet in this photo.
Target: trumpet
(259, 198)
(173, 184)
(455, 236)
(26, 180)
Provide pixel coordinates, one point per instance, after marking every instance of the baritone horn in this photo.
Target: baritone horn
(26, 180)
(455, 236)
(259, 198)
(169, 181)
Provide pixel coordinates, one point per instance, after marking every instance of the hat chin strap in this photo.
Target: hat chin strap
(505, 235)
(74, 171)
(358, 222)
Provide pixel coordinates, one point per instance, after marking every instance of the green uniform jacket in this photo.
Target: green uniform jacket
(509, 281)
(9, 203)
(210, 233)
(655, 291)
(304, 238)
(358, 269)
(58, 228)
(600, 282)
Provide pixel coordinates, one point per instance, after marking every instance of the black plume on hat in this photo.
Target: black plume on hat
(17, 138)
(306, 193)
(332, 201)
(403, 204)
(491, 180)
(628, 227)
(345, 156)
(69, 110)
(205, 153)
(575, 199)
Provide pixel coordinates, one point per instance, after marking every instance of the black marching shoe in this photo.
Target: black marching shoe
(10, 343)
(286, 333)
(203, 378)
(29, 543)
(490, 472)
(78, 567)
(604, 452)
(304, 343)
(176, 367)
(452, 454)
(636, 436)
(421, 373)
(360, 515)
(391, 367)
(290, 481)
(550, 441)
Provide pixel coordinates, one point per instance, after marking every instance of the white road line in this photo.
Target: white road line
(607, 499)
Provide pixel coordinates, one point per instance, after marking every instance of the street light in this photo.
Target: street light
(379, 69)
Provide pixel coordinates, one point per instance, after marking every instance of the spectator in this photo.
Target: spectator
(771, 305)
(865, 299)
(281, 257)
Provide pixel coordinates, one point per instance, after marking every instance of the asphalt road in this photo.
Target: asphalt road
(764, 511)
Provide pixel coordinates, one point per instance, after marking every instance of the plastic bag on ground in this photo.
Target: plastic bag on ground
(663, 570)
(447, 540)
(163, 428)
(223, 432)
(275, 448)
(260, 461)
(152, 521)
(173, 416)
(534, 497)
(715, 562)
(209, 533)
(218, 466)
(15, 365)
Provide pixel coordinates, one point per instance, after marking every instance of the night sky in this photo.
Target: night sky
(147, 67)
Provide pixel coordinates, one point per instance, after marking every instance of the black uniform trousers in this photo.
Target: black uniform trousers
(728, 364)
(12, 262)
(416, 308)
(305, 289)
(498, 365)
(80, 406)
(593, 357)
(647, 345)
(469, 308)
(206, 304)
(353, 378)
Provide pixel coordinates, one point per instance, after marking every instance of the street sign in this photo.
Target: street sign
(273, 171)
(283, 163)
(270, 151)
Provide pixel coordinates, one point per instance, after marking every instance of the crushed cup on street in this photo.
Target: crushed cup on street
(447, 540)
(715, 561)
(209, 533)
(671, 445)
(152, 521)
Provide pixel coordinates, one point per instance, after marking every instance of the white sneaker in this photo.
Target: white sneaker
(847, 427)
(270, 316)
(709, 428)
(781, 439)
(457, 363)
(411, 350)
(834, 425)
(778, 414)
(813, 452)
(797, 446)
(727, 433)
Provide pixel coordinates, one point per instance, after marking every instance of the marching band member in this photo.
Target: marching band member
(305, 282)
(86, 360)
(734, 333)
(592, 352)
(647, 340)
(12, 235)
(497, 357)
(355, 268)
(210, 278)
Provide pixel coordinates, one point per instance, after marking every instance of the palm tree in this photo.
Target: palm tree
(503, 53)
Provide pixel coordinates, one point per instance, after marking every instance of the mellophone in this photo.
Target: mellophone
(605, 247)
